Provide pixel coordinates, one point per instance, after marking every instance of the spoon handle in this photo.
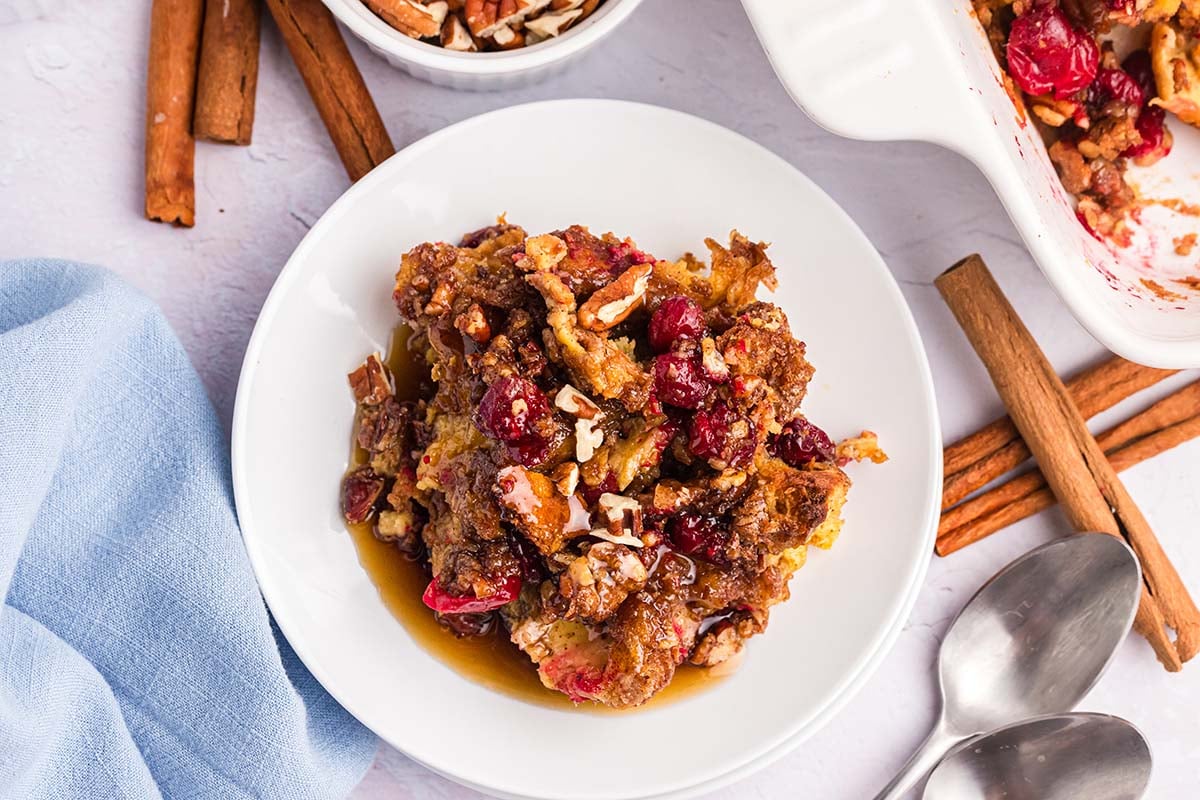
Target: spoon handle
(926, 758)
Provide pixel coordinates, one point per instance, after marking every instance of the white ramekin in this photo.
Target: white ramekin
(510, 69)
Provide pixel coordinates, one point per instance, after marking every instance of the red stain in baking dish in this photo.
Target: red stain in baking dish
(1190, 282)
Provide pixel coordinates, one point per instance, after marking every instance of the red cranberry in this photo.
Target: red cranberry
(526, 555)
(1047, 53)
(360, 491)
(1115, 85)
(663, 435)
(709, 436)
(510, 407)
(592, 493)
(675, 318)
(441, 601)
(515, 411)
(800, 442)
(698, 535)
(1138, 65)
(1087, 226)
(680, 380)
(1156, 143)
(653, 407)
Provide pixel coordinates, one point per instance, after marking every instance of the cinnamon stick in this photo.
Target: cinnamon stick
(334, 82)
(997, 447)
(1076, 470)
(228, 71)
(170, 92)
(1164, 425)
(1032, 496)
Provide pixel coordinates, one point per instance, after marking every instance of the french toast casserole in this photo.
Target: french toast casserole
(607, 457)
(1098, 77)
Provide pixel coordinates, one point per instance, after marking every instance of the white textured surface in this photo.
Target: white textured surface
(70, 186)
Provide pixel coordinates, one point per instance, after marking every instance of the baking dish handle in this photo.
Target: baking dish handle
(878, 69)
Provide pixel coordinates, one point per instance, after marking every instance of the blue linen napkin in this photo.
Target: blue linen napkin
(136, 656)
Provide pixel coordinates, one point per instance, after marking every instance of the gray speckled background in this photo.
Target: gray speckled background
(72, 78)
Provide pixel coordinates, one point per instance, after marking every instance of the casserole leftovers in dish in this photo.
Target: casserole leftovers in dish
(1099, 77)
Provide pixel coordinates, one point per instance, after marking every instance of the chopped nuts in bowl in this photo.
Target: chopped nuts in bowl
(480, 44)
(470, 26)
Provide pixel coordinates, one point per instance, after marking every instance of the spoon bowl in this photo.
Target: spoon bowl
(1033, 641)
(1036, 638)
(1063, 757)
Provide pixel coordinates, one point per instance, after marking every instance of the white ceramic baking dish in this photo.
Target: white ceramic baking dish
(922, 70)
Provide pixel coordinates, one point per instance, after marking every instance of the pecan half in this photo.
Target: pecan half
(611, 304)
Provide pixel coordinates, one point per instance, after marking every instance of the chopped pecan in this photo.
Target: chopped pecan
(507, 38)
(473, 323)
(725, 638)
(712, 361)
(550, 25)
(486, 17)
(596, 583)
(410, 17)
(576, 403)
(592, 360)
(455, 37)
(861, 447)
(588, 436)
(371, 382)
(622, 517)
(610, 305)
(566, 478)
(545, 252)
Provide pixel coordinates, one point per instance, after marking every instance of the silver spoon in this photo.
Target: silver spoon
(1064, 757)
(1032, 641)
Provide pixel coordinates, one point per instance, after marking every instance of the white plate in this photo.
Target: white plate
(668, 180)
(924, 71)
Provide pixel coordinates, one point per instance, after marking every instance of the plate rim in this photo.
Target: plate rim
(884, 640)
